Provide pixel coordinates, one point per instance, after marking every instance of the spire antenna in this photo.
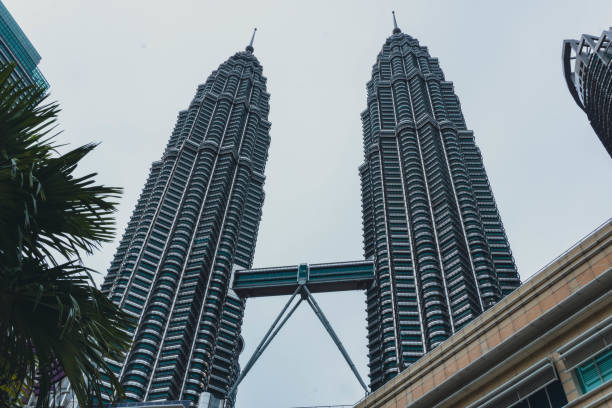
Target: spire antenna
(395, 27)
(249, 47)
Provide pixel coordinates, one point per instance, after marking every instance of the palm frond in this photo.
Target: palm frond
(52, 317)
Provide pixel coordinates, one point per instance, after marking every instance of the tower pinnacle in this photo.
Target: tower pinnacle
(395, 27)
(249, 47)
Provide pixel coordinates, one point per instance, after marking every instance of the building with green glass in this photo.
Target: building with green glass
(430, 221)
(587, 66)
(16, 48)
(195, 223)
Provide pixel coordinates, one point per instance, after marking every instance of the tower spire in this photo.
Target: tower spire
(249, 47)
(395, 27)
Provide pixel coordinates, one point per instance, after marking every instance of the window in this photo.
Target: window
(536, 387)
(595, 371)
(551, 396)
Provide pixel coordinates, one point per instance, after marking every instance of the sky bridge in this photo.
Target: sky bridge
(322, 277)
(304, 280)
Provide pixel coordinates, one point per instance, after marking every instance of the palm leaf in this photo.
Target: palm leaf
(52, 317)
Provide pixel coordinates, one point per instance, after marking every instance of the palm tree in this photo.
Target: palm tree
(52, 317)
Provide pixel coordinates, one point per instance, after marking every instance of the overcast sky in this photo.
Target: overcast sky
(122, 70)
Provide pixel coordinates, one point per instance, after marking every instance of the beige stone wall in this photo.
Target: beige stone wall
(518, 317)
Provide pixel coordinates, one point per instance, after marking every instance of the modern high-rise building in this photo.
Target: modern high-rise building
(195, 223)
(437, 253)
(587, 66)
(430, 221)
(16, 48)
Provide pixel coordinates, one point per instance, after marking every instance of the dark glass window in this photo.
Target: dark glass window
(539, 399)
(556, 394)
(551, 396)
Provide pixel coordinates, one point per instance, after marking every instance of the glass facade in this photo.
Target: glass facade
(587, 65)
(430, 221)
(195, 223)
(16, 48)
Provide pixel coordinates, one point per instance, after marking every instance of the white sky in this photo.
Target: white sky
(122, 70)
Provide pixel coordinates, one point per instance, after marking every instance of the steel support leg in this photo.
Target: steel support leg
(315, 307)
(260, 351)
(282, 323)
(276, 326)
(267, 339)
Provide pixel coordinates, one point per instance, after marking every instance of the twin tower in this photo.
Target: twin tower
(432, 231)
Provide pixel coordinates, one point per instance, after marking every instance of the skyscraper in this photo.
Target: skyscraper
(587, 66)
(429, 217)
(195, 222)
(16, 48)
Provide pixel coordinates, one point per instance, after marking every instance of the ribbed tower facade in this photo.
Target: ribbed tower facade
(195, 222)
(429, 217)
(587, 66)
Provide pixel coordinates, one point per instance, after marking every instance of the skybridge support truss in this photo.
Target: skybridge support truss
(279, 281)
